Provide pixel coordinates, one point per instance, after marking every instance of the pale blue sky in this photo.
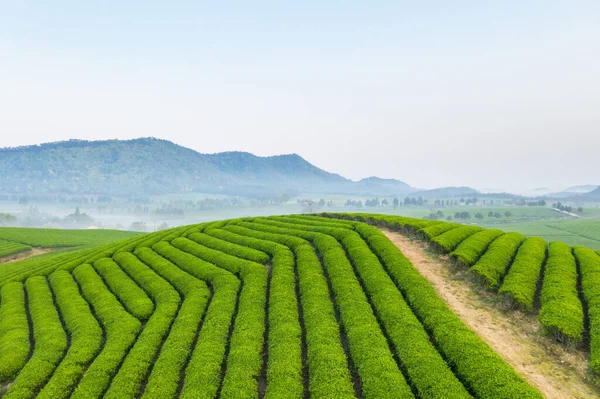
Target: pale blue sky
(484, 93)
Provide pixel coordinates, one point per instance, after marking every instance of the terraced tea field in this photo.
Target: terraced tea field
(278, 307)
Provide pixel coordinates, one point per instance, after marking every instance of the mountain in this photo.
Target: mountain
(150, 166)
(591, 196)
(378, 186)
(574, 191)
(447, 192)
(586, 188)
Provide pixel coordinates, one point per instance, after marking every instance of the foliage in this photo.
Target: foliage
(8, 248)
(561, 314)
(589, 264)
(469, 250)
(521, 282)
(493, 264)
(280, 307)
(14, 331)
(449, 240)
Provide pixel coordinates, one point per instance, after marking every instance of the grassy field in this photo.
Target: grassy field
(56, 238)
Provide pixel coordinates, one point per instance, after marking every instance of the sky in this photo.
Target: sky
(501, 95)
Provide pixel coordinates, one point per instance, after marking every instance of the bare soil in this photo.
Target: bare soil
(26, 254)
(555, 370)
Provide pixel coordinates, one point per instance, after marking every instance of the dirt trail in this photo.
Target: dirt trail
(26, 254)
(556, 372)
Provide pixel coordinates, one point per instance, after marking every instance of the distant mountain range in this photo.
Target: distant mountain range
(151, 166)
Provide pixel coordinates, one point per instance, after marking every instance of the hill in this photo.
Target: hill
(151, 166)
(574, 191)
(378, 186)
(278, 307)
(581, 189)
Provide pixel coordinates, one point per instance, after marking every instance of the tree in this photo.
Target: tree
(7, 219)
(396, 203)
(497, 215)
(384, 202)
(490, 214)
(580, 209)
(449, 218)
(440, 214)
(138, 226)
(321, 203)
(457, 215)
(508, 214)
(310, 205)
(407, 201)
(479, 216)
(462, 200)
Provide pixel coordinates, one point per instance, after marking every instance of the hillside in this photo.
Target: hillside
(278, 307)
(151, 166)
(378, 186)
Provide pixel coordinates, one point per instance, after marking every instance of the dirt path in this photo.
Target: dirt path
(26, 254)
(556, 372)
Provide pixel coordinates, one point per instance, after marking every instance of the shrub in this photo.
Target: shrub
(520, 284)
(492, 265)
(471, 249)
(561, 314)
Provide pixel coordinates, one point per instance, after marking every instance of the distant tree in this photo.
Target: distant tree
(457, 215)
(7, 219)
(479, 216)
(321, 203)
(449, 218)
(309, 206)
(508, 214)
(474, 200)
(491, 214)
(413, 201)
(465, 215)
(432, 216)
(384, 202)
(138, 226)
(497, 215)
(407, 201)
(462, 200)
(580, 209)
(396, 202)
(162, 226)
(23, 200)
(440, 214)
(469, 201)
